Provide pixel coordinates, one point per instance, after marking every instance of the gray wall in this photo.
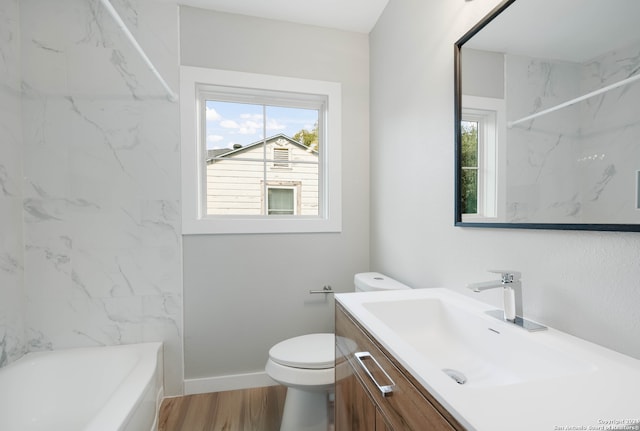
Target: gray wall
(244, 293)
(482, 73)
(584, 283)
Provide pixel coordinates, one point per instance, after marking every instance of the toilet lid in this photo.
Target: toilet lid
(313, 351)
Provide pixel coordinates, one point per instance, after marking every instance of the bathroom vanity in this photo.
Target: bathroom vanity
(435, 359)
(361, 404)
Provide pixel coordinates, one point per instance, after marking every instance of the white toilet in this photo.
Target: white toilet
(305, 364)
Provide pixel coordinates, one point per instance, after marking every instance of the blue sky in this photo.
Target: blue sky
(240, 123)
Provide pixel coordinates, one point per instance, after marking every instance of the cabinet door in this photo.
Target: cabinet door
(406, 408)
(354, 410)
(381, 423)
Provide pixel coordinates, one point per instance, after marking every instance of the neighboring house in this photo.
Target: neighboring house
(276, 176)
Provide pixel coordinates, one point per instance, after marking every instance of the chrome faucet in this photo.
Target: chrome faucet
(512, 292)
(511, 296)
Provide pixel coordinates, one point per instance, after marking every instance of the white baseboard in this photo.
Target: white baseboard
(227, 383)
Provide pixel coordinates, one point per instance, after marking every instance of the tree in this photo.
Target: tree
(469, 185)
(308, 138)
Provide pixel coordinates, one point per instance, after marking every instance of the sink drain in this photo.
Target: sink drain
(456, 375)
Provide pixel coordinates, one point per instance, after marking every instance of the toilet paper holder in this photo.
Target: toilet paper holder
(325, 289)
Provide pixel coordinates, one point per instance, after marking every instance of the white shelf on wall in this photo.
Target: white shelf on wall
(172, 95)
(576, 100)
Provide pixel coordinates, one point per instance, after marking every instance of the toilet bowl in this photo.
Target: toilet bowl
(306, 365)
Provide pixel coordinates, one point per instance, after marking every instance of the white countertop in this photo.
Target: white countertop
(605, 397)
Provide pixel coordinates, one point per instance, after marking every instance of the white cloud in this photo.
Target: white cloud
(212, 114)
(253, 117)
(214, 138)
(249, 128)
(275, 125)
(244, 128)
(229, 124)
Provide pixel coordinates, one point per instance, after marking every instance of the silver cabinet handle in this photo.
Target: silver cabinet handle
(385, 389)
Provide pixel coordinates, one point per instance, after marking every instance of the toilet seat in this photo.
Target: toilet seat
(316, 380)
(310, 352)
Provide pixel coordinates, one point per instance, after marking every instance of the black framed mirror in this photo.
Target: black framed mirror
(547, 117)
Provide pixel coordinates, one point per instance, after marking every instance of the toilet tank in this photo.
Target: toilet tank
(373, 281)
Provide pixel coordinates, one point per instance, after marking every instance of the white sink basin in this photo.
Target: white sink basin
(514, 379)
(472, 344)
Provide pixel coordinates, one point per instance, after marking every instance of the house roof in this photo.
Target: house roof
(223, 153)
(217, 152)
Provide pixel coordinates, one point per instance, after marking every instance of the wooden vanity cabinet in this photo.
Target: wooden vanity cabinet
(359, 403)
(357, 410)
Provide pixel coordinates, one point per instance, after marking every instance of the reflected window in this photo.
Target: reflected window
(481, 122)
(469, 186)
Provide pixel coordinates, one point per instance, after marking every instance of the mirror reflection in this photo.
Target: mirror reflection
(548, 116)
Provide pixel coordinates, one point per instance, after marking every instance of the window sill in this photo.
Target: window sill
(220, 225)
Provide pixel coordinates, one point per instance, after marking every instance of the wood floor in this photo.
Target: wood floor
(258, 409)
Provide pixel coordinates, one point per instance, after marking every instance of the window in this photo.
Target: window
(250, 145)
(260, 153)
(483, 131)
(469, 186)
(280, 201)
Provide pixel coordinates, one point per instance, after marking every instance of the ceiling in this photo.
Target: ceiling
(350, 15)
(571, 30)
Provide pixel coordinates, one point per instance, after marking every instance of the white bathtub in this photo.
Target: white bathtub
(115, 388)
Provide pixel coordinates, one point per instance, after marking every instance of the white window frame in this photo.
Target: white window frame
(193, 152)
(467, 118)
(489, 113)
(637, 190)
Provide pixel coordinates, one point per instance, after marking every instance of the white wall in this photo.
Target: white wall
(244, 293)
(584, 283)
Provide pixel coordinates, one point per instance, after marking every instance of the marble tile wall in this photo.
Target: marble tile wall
(541, 169)
(101, 187)
(12, 332)
(610, 156)
(578, 164)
